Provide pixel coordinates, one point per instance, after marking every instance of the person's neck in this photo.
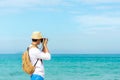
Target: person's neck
(34, 44)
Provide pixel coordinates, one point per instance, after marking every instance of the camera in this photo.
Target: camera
(43, 39)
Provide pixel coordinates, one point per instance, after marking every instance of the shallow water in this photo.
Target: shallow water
(65, 67)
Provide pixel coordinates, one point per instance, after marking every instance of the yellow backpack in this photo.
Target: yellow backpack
(26, 63)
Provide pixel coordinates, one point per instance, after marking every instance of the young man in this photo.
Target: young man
(37, 55)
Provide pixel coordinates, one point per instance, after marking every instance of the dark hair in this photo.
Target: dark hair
(34, 40)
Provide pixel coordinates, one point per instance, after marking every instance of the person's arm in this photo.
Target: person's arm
(45, 54)
(45, 48)
(40, 54)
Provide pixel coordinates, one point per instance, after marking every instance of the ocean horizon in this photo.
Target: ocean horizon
(65, 67)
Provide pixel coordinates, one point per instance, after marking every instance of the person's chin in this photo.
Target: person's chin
(38, 43)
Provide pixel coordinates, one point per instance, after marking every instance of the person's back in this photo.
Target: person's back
(37, 55)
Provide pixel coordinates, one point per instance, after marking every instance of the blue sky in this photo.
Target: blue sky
(72, 26)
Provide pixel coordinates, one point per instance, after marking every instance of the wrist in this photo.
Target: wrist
(44, 45)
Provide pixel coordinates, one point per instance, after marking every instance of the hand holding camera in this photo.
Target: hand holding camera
(44, 41)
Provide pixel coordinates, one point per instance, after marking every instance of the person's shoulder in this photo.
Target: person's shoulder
(33, 48)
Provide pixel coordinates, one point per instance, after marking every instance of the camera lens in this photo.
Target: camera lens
(41, 40)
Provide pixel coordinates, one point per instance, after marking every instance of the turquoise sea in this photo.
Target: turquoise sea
(66, 67)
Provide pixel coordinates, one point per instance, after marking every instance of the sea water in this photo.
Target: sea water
(65, 67)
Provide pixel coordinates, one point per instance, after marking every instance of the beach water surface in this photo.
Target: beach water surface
(65, 67)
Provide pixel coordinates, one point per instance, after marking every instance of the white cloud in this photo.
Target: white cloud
(46, 9)
(26, 3)
(67, 3)
(10, 11)
(16, 6)
(101, 4)
(15, 3)
(106, 7)
(91, 20)
(104, 26)
(97, 1)
(33, 4)
(102, 31)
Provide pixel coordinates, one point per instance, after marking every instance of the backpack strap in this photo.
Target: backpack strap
(28, 53)
(37, 59)
(36, 62)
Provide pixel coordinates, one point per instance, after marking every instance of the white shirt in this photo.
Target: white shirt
(36, 53)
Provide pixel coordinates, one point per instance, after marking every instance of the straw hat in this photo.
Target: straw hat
(36, 35)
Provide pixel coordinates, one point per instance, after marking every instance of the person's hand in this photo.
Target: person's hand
(45, 41)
